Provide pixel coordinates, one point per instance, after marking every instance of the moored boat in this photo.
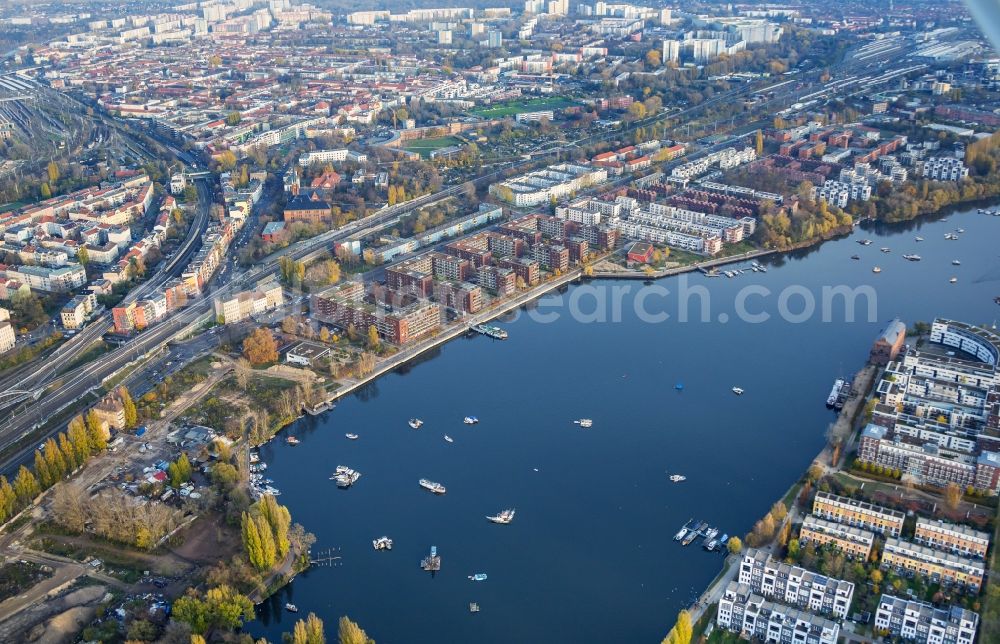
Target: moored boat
(352, 437)
(291, 440)
(738, 391)
(584, 422)
(876, 269)
(955, 262)
(470, 420)
(677, 478)
(449, 438)
(838, 385)
(479, 576)
(415, 423)
(291, 608)
(382, 543)
(680, 534)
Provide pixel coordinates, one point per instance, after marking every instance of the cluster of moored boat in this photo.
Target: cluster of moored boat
(985, 211)
(754, 267)
(711, 540)
(259, 485)
(584, 422)
(345, 477)
(913, 257)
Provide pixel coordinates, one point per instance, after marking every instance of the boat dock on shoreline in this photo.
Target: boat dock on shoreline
(694, 530)
(489, 330)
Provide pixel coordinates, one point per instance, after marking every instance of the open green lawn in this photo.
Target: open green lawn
(518, 107)
(424, 147)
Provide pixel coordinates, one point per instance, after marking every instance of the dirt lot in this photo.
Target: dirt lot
(56, 620)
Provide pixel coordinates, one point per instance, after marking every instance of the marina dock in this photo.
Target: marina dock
(711, 538)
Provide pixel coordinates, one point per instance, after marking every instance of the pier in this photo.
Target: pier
(490, 331)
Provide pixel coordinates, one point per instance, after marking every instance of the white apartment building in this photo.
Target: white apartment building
(242, 305)
(922, 623)
(331, 156)
(795, 586)
(7, 337)
(944, 169)
(742, 611)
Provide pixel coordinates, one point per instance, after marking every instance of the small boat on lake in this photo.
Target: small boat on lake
(865, 242)
(432, 562)
(679, 386)
(291, 608)
(584, 422)
(432, 486)
(953, 280)
(876, 269)
(449, 438)
(479, 576)
(473, 607)
(503, 518)
(919, 239)
(955, 262)
(855, 256)
(415, 423)
(352, 437)
(382, 543)
(738, 391)
(677, 478)
(680, 534)
(885, 249)
(912, 257)
(291, 440)
(470, 420)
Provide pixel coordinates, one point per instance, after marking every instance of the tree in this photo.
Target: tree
(682, 631)
(269, 552)
(251, 542)
(759, 143)
(55, 461)
(25, 486)
(233, 118)
(69, 506)
(42, 470)
(83, 256)
(779, 511)
(53, 172)
(653, 58)
(279, 519)
(45, 191)
(179, 471)
(68, 452)
(79, 439)
(8, 499)
(350, 633)
(374, 342)
(953, 496)
(95, 432)
(131, 415)
(735, 545)
(260, 347)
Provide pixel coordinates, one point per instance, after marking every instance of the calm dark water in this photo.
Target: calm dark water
(590, 555)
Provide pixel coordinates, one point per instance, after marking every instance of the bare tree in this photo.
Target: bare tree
(69, 506)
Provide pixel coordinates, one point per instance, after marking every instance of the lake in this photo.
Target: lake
(590, 556)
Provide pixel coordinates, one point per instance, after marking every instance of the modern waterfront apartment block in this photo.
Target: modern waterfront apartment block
(858, 513)
(742, 611)
(854, 542)
(795, 586)
(951, 537)
(923, 623)
(939, 567)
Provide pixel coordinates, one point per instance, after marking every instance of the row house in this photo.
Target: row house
(937, 566)
(922, 623)
(858, 513)
(795, 586)
(744, 612)
(854, 542)
(952, 537)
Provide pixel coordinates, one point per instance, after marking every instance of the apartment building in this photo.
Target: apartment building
(944, 169)
(417, 274)
(923, 623)
(854, 542)
(403, 321)
(74, 313)
(244, 304)
(59, 279)
(951, 537)
(553, 182)
(938, 566)
(110, 411)
(795, 586)
(7, 337)
(742, 611)
(858, 513)
(498, 280)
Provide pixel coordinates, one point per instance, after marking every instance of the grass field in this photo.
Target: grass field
(519, 107)
(424, 147)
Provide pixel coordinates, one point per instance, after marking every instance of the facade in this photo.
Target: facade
(742, 611)
(951, 537)
(795, 586)
(936, 565)
(923, 623)
(75, 312)
(400, 322)
(7, 337)
(858, 513)
(853, 542)
(553, 182)
(59, 279)
(111, 411)
(306, 210)
(240, 306)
